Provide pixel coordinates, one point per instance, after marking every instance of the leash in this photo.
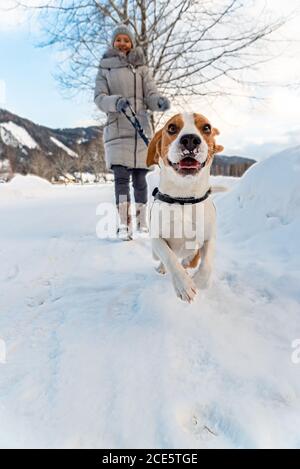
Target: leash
(136, 124)
(179, 200)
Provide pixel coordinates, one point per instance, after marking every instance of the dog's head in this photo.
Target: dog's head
(186, 143)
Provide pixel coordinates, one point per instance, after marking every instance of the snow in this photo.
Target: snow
(80, 141)
(16, 136)
(25, 187)
(218, 183)
(269, 192)
(4, 165)
(262, 214)
(101, 354)
(64, 147)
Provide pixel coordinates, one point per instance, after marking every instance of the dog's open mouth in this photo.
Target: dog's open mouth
(187, 165)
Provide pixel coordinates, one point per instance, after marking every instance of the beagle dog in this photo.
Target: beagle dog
(183, 217)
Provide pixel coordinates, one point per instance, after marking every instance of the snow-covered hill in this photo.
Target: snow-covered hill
(26, 147)
(55, 154)
(100, 353)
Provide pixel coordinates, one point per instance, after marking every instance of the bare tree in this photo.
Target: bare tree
(41, 166)
(81, 165)
(64, 166)
(96, 163)
(191, 45)
(6, 170)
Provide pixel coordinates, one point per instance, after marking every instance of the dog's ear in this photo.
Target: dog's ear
(217, 148)
(154, 149)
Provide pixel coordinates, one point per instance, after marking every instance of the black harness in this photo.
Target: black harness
(179, 200)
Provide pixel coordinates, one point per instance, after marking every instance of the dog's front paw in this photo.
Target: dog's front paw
(185, 287)
(202, 278)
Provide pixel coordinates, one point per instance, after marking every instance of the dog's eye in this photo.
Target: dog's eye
(172, 129)
(207, 128)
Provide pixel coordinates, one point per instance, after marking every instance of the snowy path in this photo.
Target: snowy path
(100, 353)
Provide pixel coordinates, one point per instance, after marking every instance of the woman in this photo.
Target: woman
(123, 79)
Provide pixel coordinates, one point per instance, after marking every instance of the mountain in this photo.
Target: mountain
(53, 154)
(67, 154)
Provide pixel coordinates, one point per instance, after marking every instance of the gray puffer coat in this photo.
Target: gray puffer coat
(128, 77)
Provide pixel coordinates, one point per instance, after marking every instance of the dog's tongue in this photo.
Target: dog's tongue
(189, 163)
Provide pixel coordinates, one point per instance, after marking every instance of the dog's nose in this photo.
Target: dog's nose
(190, 141)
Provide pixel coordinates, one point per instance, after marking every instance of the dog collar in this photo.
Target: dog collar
(179, 200)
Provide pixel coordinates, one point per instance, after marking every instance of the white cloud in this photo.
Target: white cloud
(12, 16)
(86, 122)
(260, 127)
(256, 128)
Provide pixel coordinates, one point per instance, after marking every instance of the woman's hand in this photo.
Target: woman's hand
(163, 103)
(122, 104)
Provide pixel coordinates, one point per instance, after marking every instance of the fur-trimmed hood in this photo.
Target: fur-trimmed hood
(113, 58)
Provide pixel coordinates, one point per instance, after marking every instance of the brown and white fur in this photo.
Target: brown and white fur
(180, 148)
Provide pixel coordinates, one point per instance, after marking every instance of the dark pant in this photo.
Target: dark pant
(122, 178)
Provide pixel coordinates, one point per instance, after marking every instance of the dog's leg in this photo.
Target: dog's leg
(183, 284)
(154, 255)
(160, 269)
(191, 262)
(202, 275)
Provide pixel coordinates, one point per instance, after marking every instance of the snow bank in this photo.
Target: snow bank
(24, 186)
(68, 150)
(262, 211)
(14, 135)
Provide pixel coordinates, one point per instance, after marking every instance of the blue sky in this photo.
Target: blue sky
(253, 129)
(30, 88)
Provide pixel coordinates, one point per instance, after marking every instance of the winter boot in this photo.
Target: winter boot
(124, 231)
(141, 218)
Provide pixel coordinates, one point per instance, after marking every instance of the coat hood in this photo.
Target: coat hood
(113, 58)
